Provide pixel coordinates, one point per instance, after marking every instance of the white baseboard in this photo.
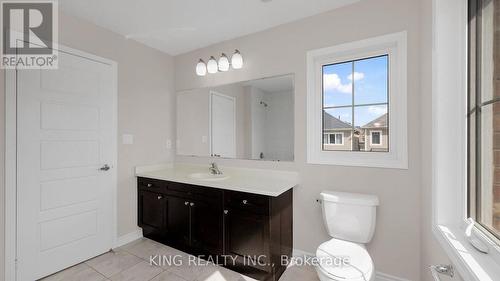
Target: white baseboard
(379, 276)
(129, 237)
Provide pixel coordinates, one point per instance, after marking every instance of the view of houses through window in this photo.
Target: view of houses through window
(355, 105)
(483, 115)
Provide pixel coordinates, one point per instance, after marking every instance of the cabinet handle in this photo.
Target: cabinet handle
(244, 202)
(186, 203)
(160, 197)
(226, 212)
(191, 204)
(150, 185)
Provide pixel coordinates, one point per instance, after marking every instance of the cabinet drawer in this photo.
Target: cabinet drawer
(193, 191)
(254, 203)
(152, 185)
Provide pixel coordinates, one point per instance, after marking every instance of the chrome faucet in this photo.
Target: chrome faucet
(214, 170)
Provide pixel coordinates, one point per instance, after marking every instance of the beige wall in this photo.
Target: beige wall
(396, 245)
(145, 108)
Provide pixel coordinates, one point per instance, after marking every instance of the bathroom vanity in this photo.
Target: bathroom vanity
(247, 214)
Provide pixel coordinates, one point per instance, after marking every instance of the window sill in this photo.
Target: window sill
(469, 262)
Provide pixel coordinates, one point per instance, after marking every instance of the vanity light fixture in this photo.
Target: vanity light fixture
(237, 60)
(201, 68)
(212, 66)
(222, 65)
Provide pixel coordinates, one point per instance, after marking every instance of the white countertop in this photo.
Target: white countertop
(257, 181)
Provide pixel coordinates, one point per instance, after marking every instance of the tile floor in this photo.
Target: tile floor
(131, 263)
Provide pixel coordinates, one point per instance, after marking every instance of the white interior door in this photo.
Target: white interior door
(65, 134)
(223, 130)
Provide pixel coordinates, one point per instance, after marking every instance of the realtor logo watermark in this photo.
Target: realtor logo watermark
(29, 34)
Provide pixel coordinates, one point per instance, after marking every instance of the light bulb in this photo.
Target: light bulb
(201, 68)
(212, 65)
(237, 60)
(223, 63)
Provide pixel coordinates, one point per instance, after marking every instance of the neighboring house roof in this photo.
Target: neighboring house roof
(380, 122)
(331, 123)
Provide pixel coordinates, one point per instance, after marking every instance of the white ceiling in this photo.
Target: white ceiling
(180, 26)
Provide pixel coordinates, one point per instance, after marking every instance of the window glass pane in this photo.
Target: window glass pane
(375, 137)
(488, 45)
(360, 83)
(337, 118)
(335, 122)
(370, 80)
(338, 139)
(490, 167)
(332, 139)
(369, 119)
(337, 88)
(484, 123)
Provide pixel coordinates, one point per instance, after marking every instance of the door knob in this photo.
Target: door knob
(226, 212)
(104, 168)
(186, 203)
(160, 197)
(191, 204)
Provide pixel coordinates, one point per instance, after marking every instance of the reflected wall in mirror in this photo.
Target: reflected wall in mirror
(245, 120)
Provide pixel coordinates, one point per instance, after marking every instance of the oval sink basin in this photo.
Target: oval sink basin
(208, 177)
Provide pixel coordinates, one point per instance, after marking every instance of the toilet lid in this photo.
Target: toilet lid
(346, 260)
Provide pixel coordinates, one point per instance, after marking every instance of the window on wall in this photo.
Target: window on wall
(356, 99)
(483, 115)
(376, 138)
(358, 89)
(333, 138)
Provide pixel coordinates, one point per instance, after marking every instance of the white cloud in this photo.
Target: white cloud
(377, 110)
(357, 76)
(332, 82)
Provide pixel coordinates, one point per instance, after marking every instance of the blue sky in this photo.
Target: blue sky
(370, 86)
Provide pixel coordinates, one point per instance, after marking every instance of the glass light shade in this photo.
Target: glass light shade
(223, 63)
(201, 68)
(212, 65)
(237, 60)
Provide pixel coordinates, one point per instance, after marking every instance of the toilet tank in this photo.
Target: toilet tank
(349, 216)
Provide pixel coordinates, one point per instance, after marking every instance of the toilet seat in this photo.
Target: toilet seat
(358, 266)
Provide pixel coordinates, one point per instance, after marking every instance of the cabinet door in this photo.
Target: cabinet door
(152, 212)
(206, 227)
(247, 235)
(178, 222)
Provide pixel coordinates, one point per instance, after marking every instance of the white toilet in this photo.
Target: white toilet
(350, 220)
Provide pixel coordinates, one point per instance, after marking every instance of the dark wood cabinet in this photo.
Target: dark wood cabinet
(152, 209)
(178, 225)
(254, 229)
(206, 227)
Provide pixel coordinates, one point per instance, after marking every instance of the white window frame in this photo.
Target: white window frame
(336, 133)
(380, 138)
(449, 135)
(394, 45)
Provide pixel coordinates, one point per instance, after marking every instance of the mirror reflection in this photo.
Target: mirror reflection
(245, 120)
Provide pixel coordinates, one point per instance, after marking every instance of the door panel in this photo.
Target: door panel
(65, 126)
(247, 234)
(153, 210)
(178, 227)
(206, 227)
(223, 130)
